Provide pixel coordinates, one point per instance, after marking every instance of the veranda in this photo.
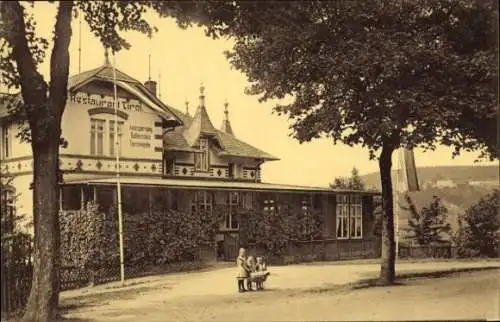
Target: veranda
(346, 217)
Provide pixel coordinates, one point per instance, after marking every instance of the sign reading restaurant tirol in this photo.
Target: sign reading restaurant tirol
(105, 102)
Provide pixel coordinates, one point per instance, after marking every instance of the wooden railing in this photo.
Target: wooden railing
(428, 251)
(321, 250)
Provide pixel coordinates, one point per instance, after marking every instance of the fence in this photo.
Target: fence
(320, 250)
(428, 251)
(76, 276)
(16, 272)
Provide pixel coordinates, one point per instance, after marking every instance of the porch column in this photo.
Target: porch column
(60, 198)
(82, 198)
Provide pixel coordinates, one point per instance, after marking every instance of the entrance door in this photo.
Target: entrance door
(230, 246)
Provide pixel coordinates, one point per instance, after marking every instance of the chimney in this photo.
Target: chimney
(151, 86)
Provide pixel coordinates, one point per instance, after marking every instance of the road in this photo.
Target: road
(299, 292)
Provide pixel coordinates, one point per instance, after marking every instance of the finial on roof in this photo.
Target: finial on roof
(226, 112)
(187, 107)
(202, 95)
(106, 56)
(202, 89)
(226, 125)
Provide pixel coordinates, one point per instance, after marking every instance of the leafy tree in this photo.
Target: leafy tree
(42, 106)
(382, 75)
(16, 246)
(356, 181)
(428, 225)
(353, 183)
(479, 228)
(339, 183)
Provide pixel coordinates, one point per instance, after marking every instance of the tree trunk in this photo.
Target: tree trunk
(387, 269)
(44, 295)
(44, 116)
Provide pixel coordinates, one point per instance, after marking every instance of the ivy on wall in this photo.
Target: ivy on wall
(273, 229)
(89, 237)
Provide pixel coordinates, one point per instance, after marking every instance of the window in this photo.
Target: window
(174, 199)
(6, 142)
(317, 202)
(308, 221)
(88, 194)
(202, 202)
(356, 217)
(233, 205)
(349, 217)
(71, 198)
(230, 170)
(106, 198)
(269, 206)
(112, 144)
(97, 136)
(135, 200)
(305, 204)
(201, 158)
(169, 166)
(342, 216)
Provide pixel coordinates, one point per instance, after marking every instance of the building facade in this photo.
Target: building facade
(195, 165)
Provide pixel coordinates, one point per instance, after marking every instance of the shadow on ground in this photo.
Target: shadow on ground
(402, 280)
(98, 299)
(63, 319)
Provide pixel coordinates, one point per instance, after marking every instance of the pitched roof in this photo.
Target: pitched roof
(200, 124)
(105, 72)
(230, 145)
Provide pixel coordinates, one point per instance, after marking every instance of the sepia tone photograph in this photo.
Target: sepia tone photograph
(249, 160)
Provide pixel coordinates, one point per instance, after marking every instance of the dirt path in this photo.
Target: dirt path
(211, 295)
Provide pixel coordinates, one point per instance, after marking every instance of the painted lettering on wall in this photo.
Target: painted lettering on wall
(105, 102)
(140, 136)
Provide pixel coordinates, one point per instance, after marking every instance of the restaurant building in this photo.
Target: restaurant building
(195, 164)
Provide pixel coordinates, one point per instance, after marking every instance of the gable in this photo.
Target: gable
(98, 96)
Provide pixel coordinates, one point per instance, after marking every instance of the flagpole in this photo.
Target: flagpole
(396, 226)
(80, 44)
(118, 184)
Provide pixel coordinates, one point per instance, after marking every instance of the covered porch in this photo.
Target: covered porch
(142, 195)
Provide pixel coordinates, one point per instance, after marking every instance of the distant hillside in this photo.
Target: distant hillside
(456, 199)
(458, 174)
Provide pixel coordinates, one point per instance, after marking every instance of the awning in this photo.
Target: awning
(198, 184)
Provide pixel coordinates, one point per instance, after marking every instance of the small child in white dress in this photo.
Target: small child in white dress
(243, 270)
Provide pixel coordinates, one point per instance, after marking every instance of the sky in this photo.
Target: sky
(182, 59)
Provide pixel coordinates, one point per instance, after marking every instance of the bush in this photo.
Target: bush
(275, 229)
(479, 229)
(89, 238)
(427, 226)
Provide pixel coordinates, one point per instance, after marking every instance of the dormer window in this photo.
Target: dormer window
(201, 158)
